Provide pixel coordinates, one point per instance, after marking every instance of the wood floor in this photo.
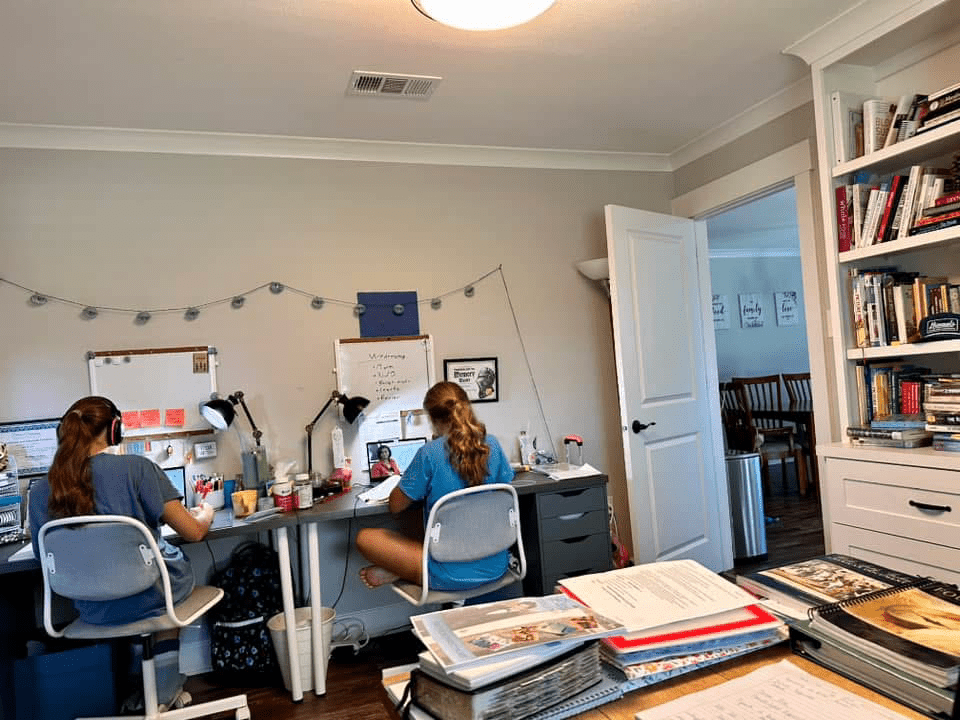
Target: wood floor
(794, 532)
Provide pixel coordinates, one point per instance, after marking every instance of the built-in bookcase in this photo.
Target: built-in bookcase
(886, 49)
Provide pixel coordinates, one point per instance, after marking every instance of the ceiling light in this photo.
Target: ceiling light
(482, 14)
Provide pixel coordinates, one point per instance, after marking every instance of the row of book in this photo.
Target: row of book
(604, 635)
(887, 305)
(894, 632)
(872, 211)
(863, 124)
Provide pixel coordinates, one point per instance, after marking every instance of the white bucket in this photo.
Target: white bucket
(277, 627)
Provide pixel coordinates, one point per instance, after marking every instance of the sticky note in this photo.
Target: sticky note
(131, 419)
(150, 418)
(173, 417)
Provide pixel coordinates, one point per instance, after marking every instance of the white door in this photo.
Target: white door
(667, 381)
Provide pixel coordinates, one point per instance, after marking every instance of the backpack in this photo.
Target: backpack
(240, 645)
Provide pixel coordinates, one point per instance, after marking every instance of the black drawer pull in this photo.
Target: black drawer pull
(572, 493)
(575, 539)
(928, 506)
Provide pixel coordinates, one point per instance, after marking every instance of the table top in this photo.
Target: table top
(633, 702)
(339, 507)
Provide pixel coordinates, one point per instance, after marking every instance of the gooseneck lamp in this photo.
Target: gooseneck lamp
(352, 407)
(220, 413)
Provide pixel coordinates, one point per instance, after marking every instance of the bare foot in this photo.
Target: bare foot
(374, 576)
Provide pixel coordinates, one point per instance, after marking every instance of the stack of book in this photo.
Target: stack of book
(905, 438)
(941, 404)
(534, 657)
(939, 108)
(681, 617)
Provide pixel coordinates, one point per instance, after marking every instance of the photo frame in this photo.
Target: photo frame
(788, 307)
(479, 377)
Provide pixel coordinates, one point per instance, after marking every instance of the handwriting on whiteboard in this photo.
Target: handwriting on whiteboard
(388, 382)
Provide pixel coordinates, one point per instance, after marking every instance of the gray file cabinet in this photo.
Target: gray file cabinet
(565, 527)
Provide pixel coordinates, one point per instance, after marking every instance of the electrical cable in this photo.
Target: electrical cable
(346, 561)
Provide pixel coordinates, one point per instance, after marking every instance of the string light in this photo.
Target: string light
(90, 311)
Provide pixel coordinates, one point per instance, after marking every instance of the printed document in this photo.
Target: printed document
(656, 594)
(775, 692)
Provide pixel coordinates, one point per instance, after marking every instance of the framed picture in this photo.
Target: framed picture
(721, 313)
(788, 307)
(751, 310)
(478, 377)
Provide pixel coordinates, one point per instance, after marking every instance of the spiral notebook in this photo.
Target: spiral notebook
(914, 628)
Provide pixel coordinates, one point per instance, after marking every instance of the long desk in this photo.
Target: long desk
(528, 486)
(626, 707)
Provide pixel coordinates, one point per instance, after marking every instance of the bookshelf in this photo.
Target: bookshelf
(886, 49)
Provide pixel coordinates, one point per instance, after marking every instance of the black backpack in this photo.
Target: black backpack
(240, 646)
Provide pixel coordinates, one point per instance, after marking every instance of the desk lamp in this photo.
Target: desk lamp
(221, 413)
(352, 407)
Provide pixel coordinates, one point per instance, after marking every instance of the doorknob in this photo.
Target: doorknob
(637, 426)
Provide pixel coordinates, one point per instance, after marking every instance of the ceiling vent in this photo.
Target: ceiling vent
(413, 87)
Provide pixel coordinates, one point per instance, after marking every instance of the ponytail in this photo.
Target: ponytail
(70, 477)
(448, 404)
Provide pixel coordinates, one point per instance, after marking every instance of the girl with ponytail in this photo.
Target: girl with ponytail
(85, 480)
(462, 455)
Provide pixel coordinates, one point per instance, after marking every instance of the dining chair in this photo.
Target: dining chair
(773, 437)
(107, 557)
(469, 524)
(801, 400)
(736, 427)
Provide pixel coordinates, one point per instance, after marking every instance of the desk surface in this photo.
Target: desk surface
(626, 707)
(340, 507)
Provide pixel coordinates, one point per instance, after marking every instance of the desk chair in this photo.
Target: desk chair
(773, 438)
(106, 557)
(469, 524)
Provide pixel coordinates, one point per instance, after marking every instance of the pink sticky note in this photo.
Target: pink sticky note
(131, 419)
(150, 418)
(173, 417)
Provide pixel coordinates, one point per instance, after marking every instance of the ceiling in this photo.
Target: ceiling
(633, 76)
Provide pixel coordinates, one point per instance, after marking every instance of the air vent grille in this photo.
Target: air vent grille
(376, 84)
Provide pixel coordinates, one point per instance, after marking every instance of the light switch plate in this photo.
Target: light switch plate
(205, 450)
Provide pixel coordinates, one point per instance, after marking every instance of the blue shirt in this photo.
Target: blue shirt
(134, 486)
(429, 477)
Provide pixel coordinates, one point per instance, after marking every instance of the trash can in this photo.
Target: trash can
(746, 506)
(278, 632)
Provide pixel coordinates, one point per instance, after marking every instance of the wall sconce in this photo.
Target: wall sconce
(352, 407)
(598, 270)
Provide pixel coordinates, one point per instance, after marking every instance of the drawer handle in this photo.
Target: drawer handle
(575, 539)
(571, 516)
(573, 493)
(928, 506)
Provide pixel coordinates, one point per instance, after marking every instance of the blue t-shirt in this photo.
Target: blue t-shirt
(429, 477)
(134, 486)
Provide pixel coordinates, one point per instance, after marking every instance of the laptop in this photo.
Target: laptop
(401, 452)
(178, 476)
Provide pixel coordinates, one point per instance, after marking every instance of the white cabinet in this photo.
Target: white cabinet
(886, 48)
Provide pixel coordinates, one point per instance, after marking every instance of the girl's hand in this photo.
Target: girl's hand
(203, 512)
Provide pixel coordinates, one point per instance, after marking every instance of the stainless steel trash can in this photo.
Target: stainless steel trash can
(746, 506)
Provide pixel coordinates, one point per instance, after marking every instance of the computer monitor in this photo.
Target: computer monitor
(31, 443)
(401, 452)
(178, 476)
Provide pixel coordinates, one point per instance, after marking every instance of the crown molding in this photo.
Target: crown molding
(62, 137)
(741, 253)
(756, 116)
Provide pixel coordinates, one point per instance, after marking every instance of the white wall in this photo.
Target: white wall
(146, 231)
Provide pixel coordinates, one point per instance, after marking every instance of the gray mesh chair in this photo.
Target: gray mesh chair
(106, 557)
(465, 525)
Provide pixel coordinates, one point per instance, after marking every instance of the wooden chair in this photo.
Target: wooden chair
(736, 426)
(798, 390)
(773, 437)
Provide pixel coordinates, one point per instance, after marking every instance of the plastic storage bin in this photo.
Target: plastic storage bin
(746, 506)
(66, 685)
(277, 627)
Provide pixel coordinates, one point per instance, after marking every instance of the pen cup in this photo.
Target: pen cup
(214, 499)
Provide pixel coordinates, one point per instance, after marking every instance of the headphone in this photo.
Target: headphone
(115, 431)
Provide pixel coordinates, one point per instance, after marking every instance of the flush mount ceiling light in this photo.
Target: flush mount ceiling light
(482, 14)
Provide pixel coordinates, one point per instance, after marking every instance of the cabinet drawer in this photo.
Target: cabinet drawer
(581, 553)
(898, 553)
(912, 502)
(568, 502)
(573, 525)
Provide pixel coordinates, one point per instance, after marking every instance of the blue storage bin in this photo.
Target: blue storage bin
(65, 685)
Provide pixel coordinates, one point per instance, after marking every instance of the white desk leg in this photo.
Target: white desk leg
(316, 610)
(289, 614)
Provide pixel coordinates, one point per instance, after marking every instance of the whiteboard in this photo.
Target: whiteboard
(158, 390)
(393, 374)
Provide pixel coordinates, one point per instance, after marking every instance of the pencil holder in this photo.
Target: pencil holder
(214, 499)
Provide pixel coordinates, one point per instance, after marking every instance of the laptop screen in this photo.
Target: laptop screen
(400, 452)
(178, 476)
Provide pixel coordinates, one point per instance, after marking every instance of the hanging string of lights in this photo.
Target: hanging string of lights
(236, 301)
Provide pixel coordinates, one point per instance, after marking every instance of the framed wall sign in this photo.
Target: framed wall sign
(478, 377)
(788, 310)
(721, 312)
(751, 310)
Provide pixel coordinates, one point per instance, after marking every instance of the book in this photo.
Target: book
(847, 115)
(794, 588)
(461, 636)
(875, 432)
(893, 442)
(892, 199)
(877, 116)
(875, 207)
(903, 308)
(843, 194)
(516, 696)
(858, 206)
(900, 421)
(487, 672)
(900, 115)
(871, 672)
(910, 200)
(914, 628)
(624, 660)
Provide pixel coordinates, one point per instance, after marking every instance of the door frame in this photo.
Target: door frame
(797, 165)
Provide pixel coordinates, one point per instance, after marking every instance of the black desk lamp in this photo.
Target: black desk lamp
(221, 413)
(352, 407)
